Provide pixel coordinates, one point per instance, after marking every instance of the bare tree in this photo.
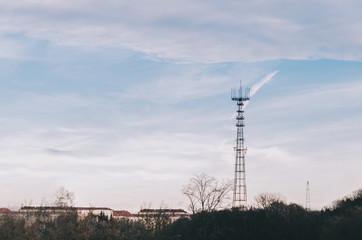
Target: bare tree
(265, 199)
(26, 202)
(146, 205)
(64, 198)
(205, 193)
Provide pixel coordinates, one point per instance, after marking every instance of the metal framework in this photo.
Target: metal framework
(307, 197)
(239, 193)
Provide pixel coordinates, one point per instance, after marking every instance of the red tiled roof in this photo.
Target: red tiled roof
(93, 208)
(163, 210)
(62, 208)
(121, 213)
(5, 210)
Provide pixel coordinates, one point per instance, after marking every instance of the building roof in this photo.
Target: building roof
(64, 208)
(163, 210)
(93, 208)
(5, 210)
(121, 213)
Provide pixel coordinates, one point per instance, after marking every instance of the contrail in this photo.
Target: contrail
(256, 88)
(258, 85)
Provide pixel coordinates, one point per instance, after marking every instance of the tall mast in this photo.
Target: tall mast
(307, 198)
(240, 193)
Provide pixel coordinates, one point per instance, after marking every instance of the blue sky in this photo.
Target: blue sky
(122, 102)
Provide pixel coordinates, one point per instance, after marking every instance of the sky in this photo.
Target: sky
(122, 102)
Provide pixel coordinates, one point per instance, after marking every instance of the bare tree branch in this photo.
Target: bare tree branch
(205, 193)
(64, 198)
(265, 199)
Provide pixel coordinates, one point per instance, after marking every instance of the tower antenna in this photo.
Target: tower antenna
(307, 197)
(239, 193)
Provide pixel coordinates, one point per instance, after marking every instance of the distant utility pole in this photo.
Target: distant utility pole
(307, 197)
(240, 194)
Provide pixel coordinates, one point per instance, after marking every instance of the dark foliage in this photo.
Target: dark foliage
(69, 226)
(277, 221)
(344, 218)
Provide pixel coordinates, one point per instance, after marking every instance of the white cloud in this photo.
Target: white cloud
(47, 146)
(80, 159)
(135, 142)
(170, 89)
(128, 149)
(308, 133)
(196, 31)
(317, 97)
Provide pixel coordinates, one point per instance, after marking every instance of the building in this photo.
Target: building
(122, 214)
(85, 211)
(56, 211)
(5, 211)
(172, 214)
(31, 212)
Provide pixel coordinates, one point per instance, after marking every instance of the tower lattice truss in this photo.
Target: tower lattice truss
(240, 193)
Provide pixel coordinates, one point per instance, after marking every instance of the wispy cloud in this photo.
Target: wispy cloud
(123, 95)
(170, 89)
(194, 31)
(68, 150)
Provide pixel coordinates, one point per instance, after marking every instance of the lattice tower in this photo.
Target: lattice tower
(240, 193)
(307, 197)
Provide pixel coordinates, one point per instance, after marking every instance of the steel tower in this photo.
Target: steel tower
(240, 194)
(307, 198)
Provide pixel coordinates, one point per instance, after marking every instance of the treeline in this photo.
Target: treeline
(277, 220)
(69, 226)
